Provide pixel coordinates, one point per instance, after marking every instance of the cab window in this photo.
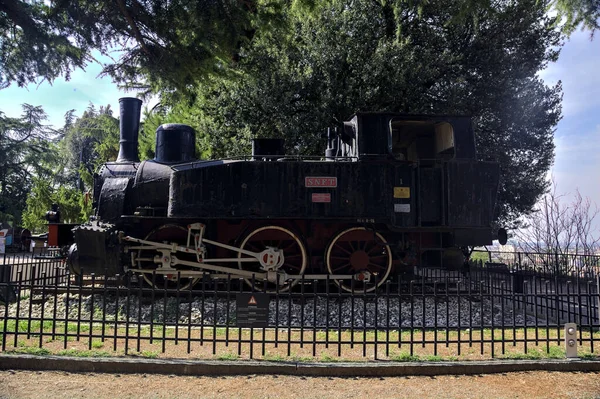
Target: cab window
(412, 141)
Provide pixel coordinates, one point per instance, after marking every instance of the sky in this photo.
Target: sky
(577, 136)
(83, 88)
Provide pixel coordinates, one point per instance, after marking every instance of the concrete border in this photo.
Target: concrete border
(241, 367)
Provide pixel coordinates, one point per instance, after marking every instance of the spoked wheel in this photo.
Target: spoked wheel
(280, 238)
(167, 233)
(358, 250)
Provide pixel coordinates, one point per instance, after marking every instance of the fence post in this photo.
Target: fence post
(8, 295)
(597, 300)
(571, 340)
(556, 290)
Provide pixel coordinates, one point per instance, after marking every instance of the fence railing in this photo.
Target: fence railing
(487, 311)
(547, 263)
(32, 265)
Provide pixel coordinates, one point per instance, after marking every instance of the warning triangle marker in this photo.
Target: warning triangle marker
(252, 301)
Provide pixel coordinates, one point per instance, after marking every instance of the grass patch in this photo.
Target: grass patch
(532, 354)
(405, 357)
(30, 350)
(589, 356)
(274, 357)
(149, 354)
(35, 326)
(302, 359)
(228, 356)
(83, 353)
(72, 327)
(97, 344)
(327, 358)
(556, 352)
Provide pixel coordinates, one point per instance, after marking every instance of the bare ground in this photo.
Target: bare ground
(27, 384)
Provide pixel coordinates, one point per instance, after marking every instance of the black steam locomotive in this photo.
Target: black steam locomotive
(393, 191)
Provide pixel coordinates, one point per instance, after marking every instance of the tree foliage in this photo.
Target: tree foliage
(167, 44)
(43, 195)
(394, 56)
(578, 13)
(175, 45)
(220, 68)
(80, 147)
(88, 142)
(24, 153)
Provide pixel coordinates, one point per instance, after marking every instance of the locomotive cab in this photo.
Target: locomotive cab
(439, 191)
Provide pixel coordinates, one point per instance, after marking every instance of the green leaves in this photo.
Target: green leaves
(573, 14)
(234, 70)
(337, 57)
(24, 153)
(39, 166)
(87, 142)
(172, 45)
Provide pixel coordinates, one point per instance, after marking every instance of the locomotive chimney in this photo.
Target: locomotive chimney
(129, 126)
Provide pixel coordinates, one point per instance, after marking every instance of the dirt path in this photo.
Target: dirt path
(26, 384)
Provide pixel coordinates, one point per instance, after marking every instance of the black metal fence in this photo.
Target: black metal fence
(547, 263)
(489, 310)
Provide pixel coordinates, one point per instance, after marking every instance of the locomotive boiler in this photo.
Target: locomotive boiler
(392, 192)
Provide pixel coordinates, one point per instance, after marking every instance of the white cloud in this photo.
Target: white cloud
(577, 68)
(577, 163)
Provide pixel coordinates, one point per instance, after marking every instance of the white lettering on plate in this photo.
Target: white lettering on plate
(320, 181)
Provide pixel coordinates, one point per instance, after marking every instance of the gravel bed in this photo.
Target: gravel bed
(321, 312)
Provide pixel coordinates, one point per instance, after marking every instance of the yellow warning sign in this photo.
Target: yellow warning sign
(401, 192)
(252, 301)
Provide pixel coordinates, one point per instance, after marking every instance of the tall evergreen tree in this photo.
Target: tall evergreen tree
(171, 44)
(390, 56)
(24, 153)
(82, 145)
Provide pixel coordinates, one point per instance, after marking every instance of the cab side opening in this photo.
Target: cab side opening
(412, 141)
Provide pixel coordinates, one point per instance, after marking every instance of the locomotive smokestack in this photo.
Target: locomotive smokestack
(129, 125)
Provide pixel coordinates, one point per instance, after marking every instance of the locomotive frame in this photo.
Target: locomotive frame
(393, 191)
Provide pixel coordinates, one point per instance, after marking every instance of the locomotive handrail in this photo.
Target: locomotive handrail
(279, 157)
